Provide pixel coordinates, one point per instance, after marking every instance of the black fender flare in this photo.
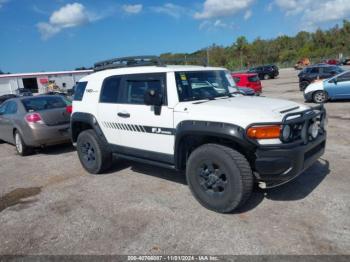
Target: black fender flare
(88, 119)
(227, 131)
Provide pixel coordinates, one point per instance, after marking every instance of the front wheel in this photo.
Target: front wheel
(266, 77)
(320, 97)
(219, 177)
(93, 153)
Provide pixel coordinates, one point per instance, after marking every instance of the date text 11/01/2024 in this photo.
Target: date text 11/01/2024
(173, 258)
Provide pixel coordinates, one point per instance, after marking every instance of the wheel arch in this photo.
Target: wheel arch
(192, 134)
(84, 121)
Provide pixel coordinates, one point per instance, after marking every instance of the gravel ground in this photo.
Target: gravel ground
(50, 205)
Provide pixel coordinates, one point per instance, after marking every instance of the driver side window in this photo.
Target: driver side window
(135, 87)
(344, 78)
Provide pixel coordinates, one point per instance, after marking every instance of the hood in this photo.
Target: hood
(318, 85)
(239, 110)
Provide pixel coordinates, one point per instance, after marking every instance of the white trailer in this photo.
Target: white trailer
(40, 82)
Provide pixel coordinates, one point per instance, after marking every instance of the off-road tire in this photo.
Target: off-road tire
(93, 153)
(235, 170)
(319, 97)
(21, 148)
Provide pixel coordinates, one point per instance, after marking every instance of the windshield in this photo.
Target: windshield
(199, 85)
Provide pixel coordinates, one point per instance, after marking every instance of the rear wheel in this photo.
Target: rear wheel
(266, 77)
(219, 177)
(21, 147)
(93, 153)
(320, 97)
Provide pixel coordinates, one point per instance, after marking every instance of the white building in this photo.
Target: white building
(40, 82)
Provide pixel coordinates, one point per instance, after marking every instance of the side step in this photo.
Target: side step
(145, 161)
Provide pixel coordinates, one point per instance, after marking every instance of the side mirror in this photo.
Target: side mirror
(152, 97)
(334, 81)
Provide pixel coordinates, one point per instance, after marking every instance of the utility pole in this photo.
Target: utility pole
(241, 59)
(208, 58)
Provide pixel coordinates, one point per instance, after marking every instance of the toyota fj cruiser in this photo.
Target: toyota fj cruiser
(190, 118)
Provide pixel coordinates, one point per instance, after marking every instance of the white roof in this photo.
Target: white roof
(149, 69)
(47, 73)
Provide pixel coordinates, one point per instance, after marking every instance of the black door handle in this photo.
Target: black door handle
(124, 115)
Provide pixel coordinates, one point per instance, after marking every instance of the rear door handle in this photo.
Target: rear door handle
(123, 115)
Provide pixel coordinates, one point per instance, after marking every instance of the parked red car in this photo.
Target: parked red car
(250, 80)
(332, 62)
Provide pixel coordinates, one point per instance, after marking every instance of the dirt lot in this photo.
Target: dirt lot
(50, 205)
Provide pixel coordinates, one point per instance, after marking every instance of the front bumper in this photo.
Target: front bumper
(278, 166)
(308, 96)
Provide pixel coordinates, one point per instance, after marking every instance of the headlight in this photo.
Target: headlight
(313, 130)
(286, 132)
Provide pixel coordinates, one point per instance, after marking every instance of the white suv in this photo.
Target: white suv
(190, 118)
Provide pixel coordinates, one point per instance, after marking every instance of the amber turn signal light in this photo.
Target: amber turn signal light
(264, 132)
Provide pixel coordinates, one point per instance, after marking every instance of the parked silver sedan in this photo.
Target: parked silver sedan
(37, 121)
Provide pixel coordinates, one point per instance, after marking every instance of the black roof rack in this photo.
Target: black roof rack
(134, 61)
(131, 61)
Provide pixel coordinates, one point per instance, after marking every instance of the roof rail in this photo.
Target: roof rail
(131, 61)
(186, 60)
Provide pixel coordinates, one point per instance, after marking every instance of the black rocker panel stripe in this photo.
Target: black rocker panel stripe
(140, 128)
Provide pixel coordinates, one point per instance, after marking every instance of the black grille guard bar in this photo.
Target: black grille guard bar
(297, 117)
(308, 114)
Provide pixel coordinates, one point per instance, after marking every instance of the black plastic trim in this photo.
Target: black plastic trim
(143, 155)
(214, 129)
(88, 119)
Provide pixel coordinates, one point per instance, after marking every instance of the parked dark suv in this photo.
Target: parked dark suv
(316, 72)
(265, 72)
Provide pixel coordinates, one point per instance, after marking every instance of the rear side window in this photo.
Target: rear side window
(11, 108)
(253, 79)
(110, 90)
(315, 70)
(43, 103)
(79, 91)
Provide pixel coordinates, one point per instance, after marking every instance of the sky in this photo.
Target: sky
(50, 35)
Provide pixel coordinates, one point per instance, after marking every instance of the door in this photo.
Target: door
(108, 109)
(141, 127)
(314, 74)
(339, 89)
(7, 111)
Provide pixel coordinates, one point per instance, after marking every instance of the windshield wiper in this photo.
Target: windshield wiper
(207, 99)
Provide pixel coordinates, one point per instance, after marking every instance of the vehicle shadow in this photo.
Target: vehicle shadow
(149, 170)
(295, 190)
(56, 150)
